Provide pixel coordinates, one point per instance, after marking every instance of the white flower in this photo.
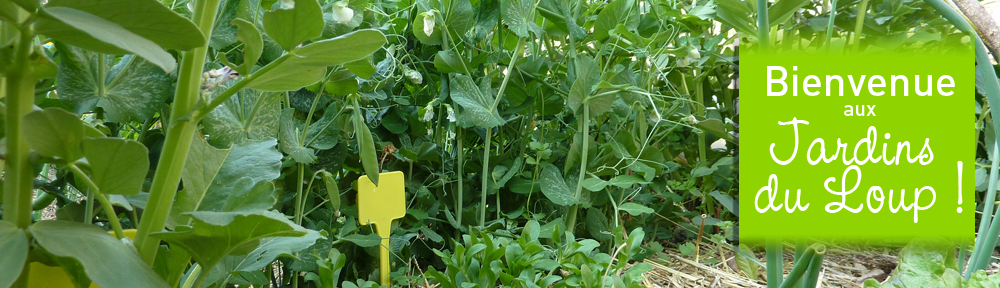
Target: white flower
(341, 13)
(287, 4)
(413, 76)
(451, 113)
(694, 54)
(429, 22)
(428, 112)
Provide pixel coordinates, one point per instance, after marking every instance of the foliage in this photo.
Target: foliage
(233, 130)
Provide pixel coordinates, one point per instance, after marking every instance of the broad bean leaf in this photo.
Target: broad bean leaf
(248, 115)
(554, 187)
(219, 174)
(15, 244)
(291, 27)
(105, 259)
(93, 33)
(117, 166)
(253, 44)
(147, 18)
(309, 63)
(54, 133)
(268, 250)
(214, 235)
(290, 141)
(477, 105)
(131, 90)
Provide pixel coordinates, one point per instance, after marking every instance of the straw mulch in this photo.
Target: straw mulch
(842, 267)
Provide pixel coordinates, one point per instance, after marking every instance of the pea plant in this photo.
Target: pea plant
(221, 139)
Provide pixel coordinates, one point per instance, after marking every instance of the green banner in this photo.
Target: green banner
(857, 146)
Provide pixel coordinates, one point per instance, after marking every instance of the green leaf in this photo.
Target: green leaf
(597, 225)
(249, 196)
(477, 105)
(131, 90)
(146, 18)
(219, 175)
(702, 171)
(248, 115)
(617, 12)
(90, 32)
(54, 133)
(214, 235)
(981, 280)
(781, 11)
(749, 267)
(559, 12)
(106, 260)
(447, 61)
(366, 145)
(324, 132)
(15, 244)
(588, 74)
(253, 44)
(635, 209)
(926, 263)
(117, 166)
(516, 16)
(361, 68)
(736, 14)
(726, 201)
(289, 136)
(363, 240)
(291, 27)
(269, 250)
(554, 187)
(309, 63)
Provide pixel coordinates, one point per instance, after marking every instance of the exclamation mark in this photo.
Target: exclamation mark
(959, 187)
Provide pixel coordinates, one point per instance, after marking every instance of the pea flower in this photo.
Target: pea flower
(429, 22)
(341, 13)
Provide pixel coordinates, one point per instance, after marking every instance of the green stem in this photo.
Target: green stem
(486, 176)
(988, 209)
(799, 268)
(461, 176)
(775, 263)
(178, 139)
(763, 27)
(88, 211)
(811, 276)
(585, 129)
(862, 10)
(298, 194)
(96, 193)
(829, 24)
(800, 248)
(20, 100)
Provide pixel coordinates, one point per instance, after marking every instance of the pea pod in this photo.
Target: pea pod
(366, 145)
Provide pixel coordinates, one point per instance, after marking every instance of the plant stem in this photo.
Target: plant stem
(178, 139)
(96, 193)
(763, 27)
(486, 177)
(815, 265)
(775, 263)
(585, 129)
(20, 100)
(459, 202)
(799, 268)
(862, 10)
(20, 92)
(800, 248)
(298, 194)
(829, 24)
(987, 218)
